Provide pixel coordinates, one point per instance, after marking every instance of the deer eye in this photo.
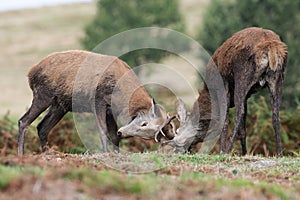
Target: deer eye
(144, 123)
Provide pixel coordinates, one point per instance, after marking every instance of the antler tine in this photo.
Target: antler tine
(161, 127)
(156, 134)
(169, 120)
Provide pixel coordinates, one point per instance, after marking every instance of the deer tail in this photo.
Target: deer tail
(274, 53)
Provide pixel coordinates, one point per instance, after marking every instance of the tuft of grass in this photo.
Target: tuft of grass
(197, 159)
(9, 173)
(113, 180)
(207, 183)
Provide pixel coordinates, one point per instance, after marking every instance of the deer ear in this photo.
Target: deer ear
(153, 107)
(181, 111)
(157, 111)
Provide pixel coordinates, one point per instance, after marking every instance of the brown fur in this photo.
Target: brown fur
(248, 61)
(62, 69)
(88, 78)
(255, 41)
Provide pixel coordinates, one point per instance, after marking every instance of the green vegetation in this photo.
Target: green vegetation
(10, 173)
(7, 175)
(149, 184)
(225, 17)
(113, 180)
(115, 16)
(260, 133)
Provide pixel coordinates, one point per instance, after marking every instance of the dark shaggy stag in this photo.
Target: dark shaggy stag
(82, 81)
(251, 59)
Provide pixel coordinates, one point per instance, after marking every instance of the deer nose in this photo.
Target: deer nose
(119, 134)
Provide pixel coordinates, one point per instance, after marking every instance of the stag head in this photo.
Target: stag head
(187, 130)
(151, 124)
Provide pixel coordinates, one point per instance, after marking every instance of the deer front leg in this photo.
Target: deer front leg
(240, 115)
(101, 125)
(112, 131)
(224, 135)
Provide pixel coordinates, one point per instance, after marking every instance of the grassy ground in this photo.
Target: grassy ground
(68, 176)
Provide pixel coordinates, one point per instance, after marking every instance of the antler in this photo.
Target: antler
(162, 126)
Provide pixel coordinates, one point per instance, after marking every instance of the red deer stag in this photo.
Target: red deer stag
(251, 59)
(98, 78)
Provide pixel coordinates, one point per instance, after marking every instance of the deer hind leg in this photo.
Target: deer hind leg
(39, 105)
(53, 116)
(276, 122)
(242, 131)
(275, 88)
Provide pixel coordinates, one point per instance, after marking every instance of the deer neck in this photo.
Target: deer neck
(204, 104)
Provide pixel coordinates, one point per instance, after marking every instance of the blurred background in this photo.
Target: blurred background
(32, 29)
